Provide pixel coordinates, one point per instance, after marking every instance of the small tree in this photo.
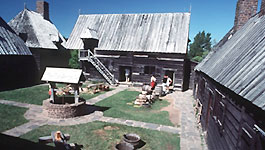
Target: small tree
(73, 61)
(200, 46)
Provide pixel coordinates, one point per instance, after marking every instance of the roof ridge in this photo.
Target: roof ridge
(139, 13)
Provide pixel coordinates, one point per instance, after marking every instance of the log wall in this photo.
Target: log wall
(137, 62)
(233, 127)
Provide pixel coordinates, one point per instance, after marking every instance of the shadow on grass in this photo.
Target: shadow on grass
(10, 142)
(89, 109)
(140, 145)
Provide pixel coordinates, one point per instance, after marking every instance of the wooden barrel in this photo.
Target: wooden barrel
(147, 88)
(158, 90)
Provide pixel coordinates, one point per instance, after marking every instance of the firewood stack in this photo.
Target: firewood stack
(146, 97)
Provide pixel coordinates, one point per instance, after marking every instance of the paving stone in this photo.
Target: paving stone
(152, 126)
(190, 136)
(138, 124)
(128, 122)
(169, 129)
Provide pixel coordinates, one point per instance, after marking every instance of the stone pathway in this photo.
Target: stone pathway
(24, 128)
(94, 100)
(140, 124)
(189, 134)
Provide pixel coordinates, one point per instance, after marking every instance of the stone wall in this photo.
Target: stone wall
(63, 110)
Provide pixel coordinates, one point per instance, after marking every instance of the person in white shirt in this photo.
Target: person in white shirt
(127, 73)
(169, 81)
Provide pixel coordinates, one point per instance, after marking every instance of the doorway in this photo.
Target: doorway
(122, 71)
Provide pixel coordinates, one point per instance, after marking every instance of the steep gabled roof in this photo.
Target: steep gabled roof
(239, 64)
(10, 42)
(40, 33)
(158, 32)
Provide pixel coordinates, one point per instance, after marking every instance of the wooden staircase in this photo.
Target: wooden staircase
(87, 55)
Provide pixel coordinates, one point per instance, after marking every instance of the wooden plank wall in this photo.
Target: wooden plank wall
(17, 71)
(238, 113)
(137, 64)
(50, 58)
(192, 74)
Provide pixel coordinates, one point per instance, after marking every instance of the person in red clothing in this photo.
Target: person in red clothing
(153, 82)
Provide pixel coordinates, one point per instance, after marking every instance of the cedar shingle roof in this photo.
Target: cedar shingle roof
(239, 64)
(41, 33)
(158, 32)
(10, 42)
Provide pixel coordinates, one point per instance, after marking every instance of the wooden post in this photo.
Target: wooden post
(76, 89)
(52, 98)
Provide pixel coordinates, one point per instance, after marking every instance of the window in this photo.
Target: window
(219, 109)
(149, 70)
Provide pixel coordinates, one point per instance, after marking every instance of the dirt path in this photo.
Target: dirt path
(174, 114)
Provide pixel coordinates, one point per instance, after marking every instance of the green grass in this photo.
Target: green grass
(36, 94)
(30, 95)
(93, 136)
(89, 96)
(11, 117)
(120, 109)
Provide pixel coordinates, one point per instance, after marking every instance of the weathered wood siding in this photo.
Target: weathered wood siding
(17, 71)
(50, 58)
(192, 74)
(137, 64)
(238, 117)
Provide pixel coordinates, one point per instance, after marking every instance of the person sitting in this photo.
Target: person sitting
(60, 141)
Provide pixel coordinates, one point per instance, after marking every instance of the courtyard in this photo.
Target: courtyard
(168, 124)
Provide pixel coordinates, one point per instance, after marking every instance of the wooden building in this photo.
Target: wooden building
(230, 88)
(41, 36)
(17, 65)
(144, 44)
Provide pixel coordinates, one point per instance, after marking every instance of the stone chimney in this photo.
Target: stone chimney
(42, 8)
(245, 9)
(262, 8)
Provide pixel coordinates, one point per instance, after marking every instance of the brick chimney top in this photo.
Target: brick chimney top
(244, 11)
(262, 8)
(42, 8)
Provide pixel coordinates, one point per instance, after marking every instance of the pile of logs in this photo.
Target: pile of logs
(93, 89)
(146, 97)
(67, 90)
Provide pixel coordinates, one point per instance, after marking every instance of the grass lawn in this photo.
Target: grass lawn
(11, 117)
(30, 95)
(103, 136)
(36, 94)
(89, 96)
(120, 109)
